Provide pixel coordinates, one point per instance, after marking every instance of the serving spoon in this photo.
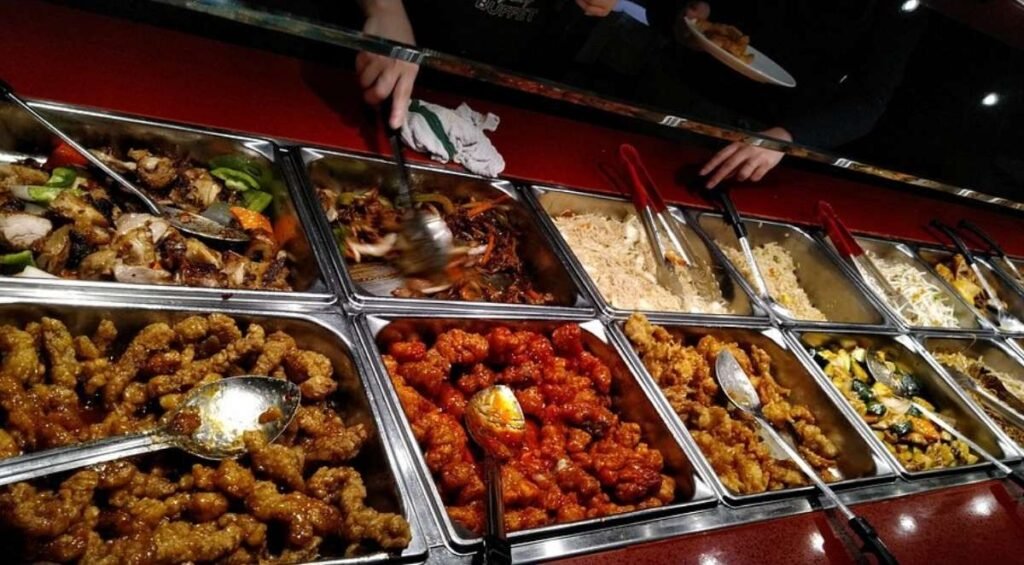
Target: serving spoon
(188, 222)
(883, 374)
(741, 392)
(496, 423)
(209, 423)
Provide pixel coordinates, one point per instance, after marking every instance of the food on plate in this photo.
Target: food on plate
(916, 442)
(1005, 387)
(579, 458)
(960, 276)
(727, 37)
(60, 219)
(294, 500)
(730, 440)
(618, 258)
(931, 305)
(486, 265)
(779, 270)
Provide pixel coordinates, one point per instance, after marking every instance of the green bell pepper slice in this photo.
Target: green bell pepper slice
(236, 180)
(18, 260)
(62, 177)
(257, 200)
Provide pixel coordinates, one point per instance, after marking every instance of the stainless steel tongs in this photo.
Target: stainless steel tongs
(653, 213)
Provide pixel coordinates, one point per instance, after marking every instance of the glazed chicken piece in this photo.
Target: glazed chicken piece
(154, 171)
(87, 220)
(201, 189)
(20, 231)
(12, 174)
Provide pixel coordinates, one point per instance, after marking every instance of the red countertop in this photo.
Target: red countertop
(63, 54)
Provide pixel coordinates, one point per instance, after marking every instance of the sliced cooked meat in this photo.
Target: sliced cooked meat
(98, 265)
(77, 209)
(235, 268)
(155, 172)
(135, 247)
(202, 188)
(12, 174)
(157, 226)
(20, 231)
(197, 253)
(54, 250)
(262, 246)
(140, 275)
(113, 162)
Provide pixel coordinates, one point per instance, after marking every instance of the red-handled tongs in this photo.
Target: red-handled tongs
(641, 182)
(848, 247)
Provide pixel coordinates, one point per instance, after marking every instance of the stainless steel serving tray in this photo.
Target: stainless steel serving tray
(859, 463)
(1005, 290)
(828, 285)
(938, 390)
(353, 172)
(1000, 265)
(994, 353)
(550, 202)
(21, 136)
(630, 399)
(903, 253)
(327, 333)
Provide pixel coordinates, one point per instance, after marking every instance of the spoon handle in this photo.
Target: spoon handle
(34, 465)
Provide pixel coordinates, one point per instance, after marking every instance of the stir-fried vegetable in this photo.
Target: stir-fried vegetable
(250, 220)
(257, 200)
(64, 155)
(236, 180)
(62, 177)
(42, 195)
(17, 261)
(253, 168)
(434, 198)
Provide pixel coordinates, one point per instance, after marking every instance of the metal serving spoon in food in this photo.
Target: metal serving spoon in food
(496, 423)
(210, 423)
(427, 238)
(883, 374)
(192, 224)
(740, 391)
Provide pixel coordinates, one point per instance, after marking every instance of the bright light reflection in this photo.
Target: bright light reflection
(990, 99)
(709, 560)
(817, 542)
(910, 5)
(981, 506)
(908, 524)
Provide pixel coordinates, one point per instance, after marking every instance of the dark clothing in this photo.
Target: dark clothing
(847, 57)
(532, 36)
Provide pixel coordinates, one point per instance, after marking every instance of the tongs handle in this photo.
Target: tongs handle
(641, 176)
(638, 191)
(959, 243)
(872, 543)
(730, 212)
(404, 198)
(974, 228)
(837, 232)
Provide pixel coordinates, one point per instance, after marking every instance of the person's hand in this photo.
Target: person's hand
(598, 8)
(380, 76)
(696, 10)
(743, 161)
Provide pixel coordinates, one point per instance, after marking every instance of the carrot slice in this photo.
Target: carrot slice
(251, 220)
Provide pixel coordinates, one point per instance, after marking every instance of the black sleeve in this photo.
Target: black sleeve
(866, 91)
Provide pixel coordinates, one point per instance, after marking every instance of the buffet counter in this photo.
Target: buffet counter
(322, 140)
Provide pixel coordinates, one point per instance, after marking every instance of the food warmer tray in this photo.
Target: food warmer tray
(860, 464)
(968, 318)
(329, 333)
(939, 390)
(844, 301)
(994, 352)
(1000, 265)
(1006, 290)
(19, 135)
(548, 267)
(630, 397)
(549, 202)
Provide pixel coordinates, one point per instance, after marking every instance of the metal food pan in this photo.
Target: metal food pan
(945, 396)
(1005, 290)
(630, 400)
(352, 172)
(551, 202)
(858, 463)
(328, 334)
(896, 251)
(995, 354)
(22, 137)
(828, 286)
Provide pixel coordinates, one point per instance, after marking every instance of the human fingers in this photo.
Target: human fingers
(373, 68)
(719, 157)
(698, 10)
(383, 86)
(747, 169)
(728, 167)
(401, 95)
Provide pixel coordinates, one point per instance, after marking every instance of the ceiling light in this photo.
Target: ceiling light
(910, 5)
(990, 99)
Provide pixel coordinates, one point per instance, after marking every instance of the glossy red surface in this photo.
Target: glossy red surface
(112, 63)
(128, 67)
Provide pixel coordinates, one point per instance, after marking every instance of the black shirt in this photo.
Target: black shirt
(847, 57)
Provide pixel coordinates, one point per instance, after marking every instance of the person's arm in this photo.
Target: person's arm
(380, 76)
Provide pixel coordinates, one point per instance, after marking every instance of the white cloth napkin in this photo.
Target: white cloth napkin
(454, 135)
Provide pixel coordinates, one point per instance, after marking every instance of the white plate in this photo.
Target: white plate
(761, 69)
